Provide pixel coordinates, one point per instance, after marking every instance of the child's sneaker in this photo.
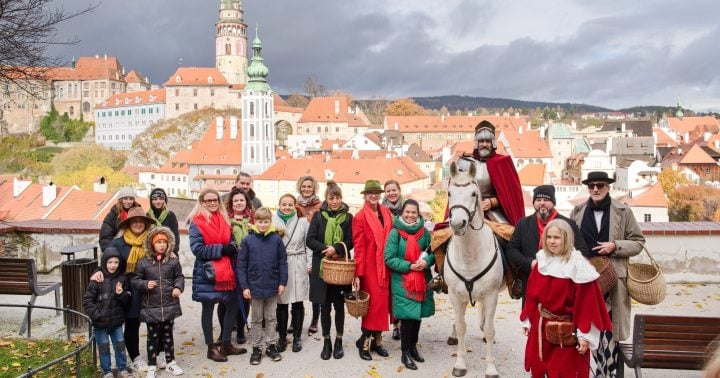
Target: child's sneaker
(173, 368)
(139, 364)
(109, 375)
(125, 373)
(151, 372)
(161, 363)
(273, 353)
(256, 356)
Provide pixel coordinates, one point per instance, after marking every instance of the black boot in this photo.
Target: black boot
(256, 356)
(313, 323)
(338, 351)
(281, 312)
(377, 346)
(241, 334)
(415, 354)
(407, 360)
(296, 344)
(363, 345)
(327, 349)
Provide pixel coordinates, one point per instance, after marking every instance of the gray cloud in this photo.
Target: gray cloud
(614, 53)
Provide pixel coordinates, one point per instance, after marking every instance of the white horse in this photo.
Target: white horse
(473, 265)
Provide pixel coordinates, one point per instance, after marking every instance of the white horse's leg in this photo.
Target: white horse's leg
(452, 339)
(488, 327)
(459, 306)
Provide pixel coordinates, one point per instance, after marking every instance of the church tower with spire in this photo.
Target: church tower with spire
(258, 126)
(231, 42)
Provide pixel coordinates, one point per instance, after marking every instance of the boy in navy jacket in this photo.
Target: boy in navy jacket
(263, 275)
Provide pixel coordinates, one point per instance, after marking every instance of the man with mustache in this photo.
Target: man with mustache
(502, 198)
(526, 241)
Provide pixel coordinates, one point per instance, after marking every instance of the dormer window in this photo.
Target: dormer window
(117, 101)
(178, 79)
(137, 100)
(210, 79)
(127, 101)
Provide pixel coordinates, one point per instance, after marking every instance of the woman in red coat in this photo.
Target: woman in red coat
(562, 283)
(370, 227)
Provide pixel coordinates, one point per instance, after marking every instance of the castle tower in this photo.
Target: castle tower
(231, 42)
(258, 126)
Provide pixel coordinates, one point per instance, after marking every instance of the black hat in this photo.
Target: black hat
(485, 125)
(598, 176)
(544, 191)
(159, 192)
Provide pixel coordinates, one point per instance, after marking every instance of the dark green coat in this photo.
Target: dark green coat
(402, 306)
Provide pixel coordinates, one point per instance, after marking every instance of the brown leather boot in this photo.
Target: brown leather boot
(228, 349)
(215, 354)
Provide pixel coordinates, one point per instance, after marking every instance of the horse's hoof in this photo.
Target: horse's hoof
(485, 340)
(459, 372)
(452, 341)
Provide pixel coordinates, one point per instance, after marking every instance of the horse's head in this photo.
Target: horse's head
(464, 199)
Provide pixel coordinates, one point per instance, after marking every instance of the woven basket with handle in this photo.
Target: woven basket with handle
(338, 271)
(646, 282)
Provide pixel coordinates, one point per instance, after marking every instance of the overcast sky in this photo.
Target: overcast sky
(612, 53)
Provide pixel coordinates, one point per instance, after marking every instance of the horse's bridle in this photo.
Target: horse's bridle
(471, 214)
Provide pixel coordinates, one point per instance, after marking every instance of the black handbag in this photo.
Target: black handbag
(209, 270)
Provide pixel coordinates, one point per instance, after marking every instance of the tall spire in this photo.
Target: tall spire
(257, 71)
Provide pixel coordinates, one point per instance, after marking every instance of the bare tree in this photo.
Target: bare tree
(27, 29)
(313, 88)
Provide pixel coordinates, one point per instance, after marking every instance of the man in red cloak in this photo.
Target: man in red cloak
(498, 182)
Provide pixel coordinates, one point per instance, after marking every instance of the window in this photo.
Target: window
(195, 106)
(648, 217)
(129, 112)
(212, 92)
(252, 130)
(252, 153)
(217, 171)
(72, 110)
(150, 110)
(252, 108)
(195, 92)
(177, 92)
(228, 49)
(177, 106)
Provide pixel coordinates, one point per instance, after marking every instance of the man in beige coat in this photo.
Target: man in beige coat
(609, 229)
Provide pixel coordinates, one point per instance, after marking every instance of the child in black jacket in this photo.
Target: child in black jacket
(104, 303)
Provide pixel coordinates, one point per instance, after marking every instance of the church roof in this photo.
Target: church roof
(197, 76)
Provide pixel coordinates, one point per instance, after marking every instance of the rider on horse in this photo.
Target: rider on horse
(501, 192)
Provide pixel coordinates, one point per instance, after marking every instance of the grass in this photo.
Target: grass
(19, 354)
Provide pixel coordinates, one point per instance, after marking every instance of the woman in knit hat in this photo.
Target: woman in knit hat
(162, 216)
(109, 229)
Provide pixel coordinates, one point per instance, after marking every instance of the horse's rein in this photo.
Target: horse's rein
(471, 214)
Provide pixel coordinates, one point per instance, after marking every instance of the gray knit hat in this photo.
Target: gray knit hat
(127, 192)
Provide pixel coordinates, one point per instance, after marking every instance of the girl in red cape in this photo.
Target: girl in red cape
(562, 283)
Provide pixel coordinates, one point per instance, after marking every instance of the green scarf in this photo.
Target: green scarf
(159, 220)
(286, 217)
(240, 228)
(333, 230)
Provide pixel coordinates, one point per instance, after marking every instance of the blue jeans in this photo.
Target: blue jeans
(103, 337)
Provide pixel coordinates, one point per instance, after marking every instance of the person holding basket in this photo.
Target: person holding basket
(406, 255)
(330, 236)
(371, 226)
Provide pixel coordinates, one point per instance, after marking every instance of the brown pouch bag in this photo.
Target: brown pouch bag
(560, 333)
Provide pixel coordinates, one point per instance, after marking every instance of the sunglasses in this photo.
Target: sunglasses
(211, 201)
(598, 185)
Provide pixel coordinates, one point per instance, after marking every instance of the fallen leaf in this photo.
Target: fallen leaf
(15, 364)
(188, 343)
(260, 375)
(400, 368)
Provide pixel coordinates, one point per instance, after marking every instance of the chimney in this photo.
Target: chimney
(706, 135)
(105, 56)
(233, 127)
(442, 117)
(609, 145)
(528, 125)
(49, 193)
(573, 124)
(100, 186)
(687, 137)
(357, 109)
(622, 127)
(717, 144)
(337, 107)
(541, 130)
(517, 115)
(520, 130)
(19, 185)
(396, 126)
(218, 128)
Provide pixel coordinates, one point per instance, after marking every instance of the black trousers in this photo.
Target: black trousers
(298, 317)
(333, 298)
(409, 331)
(239, 323)
(132, 337)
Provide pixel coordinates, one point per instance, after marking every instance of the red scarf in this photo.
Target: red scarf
(217, 231)
(541, 226)
(413, 281)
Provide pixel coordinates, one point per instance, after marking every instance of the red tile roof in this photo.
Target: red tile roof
(467, 147)
(688, 124)
(526, 145)
(532, 174)
(11, 206)
(465, 124)
(322, 109)
(155, 96)
(36, 210)
(355, 171)
(89, 68)
(198, 76)
(653, 197)
(210, 150)
(697, 155)
(135, 77)
(663, 139)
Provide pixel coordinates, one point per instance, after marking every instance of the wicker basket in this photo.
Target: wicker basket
(357, 303)
(608, 277)
(646, 282)
(338, 271)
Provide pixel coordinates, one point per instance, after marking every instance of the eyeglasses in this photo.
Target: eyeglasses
(215, 200)
(598, 185)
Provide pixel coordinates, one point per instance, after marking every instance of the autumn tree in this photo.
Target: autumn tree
(297, 100)
(694, 203)
(671, 179)
(79, 158)
(405, 107)
(438, 206)
(27, 29)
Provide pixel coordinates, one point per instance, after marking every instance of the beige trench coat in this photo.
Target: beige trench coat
(299, 258)
(626, 234)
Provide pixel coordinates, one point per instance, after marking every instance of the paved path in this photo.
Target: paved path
(681, 299)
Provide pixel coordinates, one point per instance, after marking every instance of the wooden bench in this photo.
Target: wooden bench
(19, 277)
(670, 342)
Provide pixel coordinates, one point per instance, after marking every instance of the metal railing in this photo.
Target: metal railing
(78, 348)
